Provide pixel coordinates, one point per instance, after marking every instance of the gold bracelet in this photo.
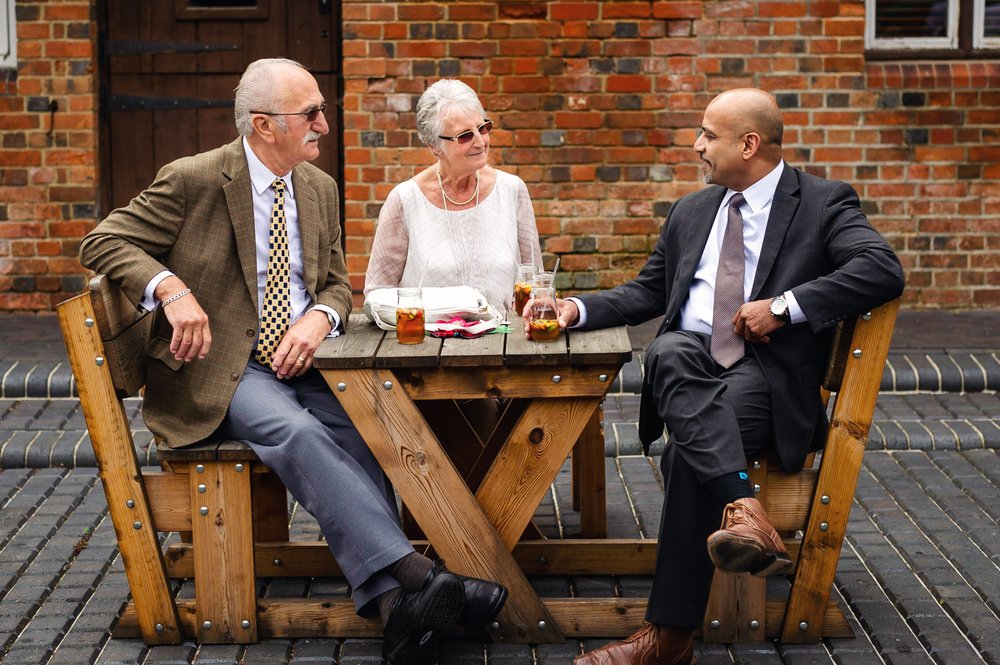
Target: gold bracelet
(176, 296)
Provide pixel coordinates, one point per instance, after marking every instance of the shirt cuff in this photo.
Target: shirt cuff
(793, 308)
(149, 301)
(582, 321)
(334, 317)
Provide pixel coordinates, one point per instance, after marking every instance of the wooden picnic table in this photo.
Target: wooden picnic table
(551, 394)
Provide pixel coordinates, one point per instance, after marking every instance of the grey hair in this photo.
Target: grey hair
(259, 89)
(437, 101)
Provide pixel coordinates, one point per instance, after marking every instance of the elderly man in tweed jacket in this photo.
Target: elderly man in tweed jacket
(239, 250)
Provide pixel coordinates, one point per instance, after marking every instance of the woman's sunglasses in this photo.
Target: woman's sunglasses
(468, 134)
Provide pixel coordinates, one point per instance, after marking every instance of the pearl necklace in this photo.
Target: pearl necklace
(447, 199)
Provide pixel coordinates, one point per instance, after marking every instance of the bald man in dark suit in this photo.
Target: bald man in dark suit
(737, 363)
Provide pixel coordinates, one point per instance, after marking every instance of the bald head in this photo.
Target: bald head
(752, 110)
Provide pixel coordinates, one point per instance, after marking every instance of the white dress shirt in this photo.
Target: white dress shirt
(262, 191)
(696, 312)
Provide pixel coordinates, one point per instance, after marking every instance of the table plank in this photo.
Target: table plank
(522, 351)
(355, 348)
(608, 345)
(485, 350)
(394, 354)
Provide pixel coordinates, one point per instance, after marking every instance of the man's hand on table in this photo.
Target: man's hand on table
(294, 355)
(192, 337)
(569, 314)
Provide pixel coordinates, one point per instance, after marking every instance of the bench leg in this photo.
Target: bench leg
(222, 530)
(589, 490)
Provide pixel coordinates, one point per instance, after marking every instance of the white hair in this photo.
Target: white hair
(259, 89)
(437, 101)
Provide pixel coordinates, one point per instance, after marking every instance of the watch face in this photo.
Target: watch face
(779, 306)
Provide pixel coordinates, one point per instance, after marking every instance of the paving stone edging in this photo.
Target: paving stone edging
(909, 371)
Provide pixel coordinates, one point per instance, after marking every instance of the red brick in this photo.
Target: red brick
(672, 9)
(485, 11)
(67, 49)
(574, 11)
(418, 11)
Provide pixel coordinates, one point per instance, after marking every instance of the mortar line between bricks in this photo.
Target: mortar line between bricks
(895, 605)
(99, 578)
(628, 497)
(916, 374)
(892, 373)
(985, 473)
(971, 538)
(3, 379)
(961, 372)
(34, 509)
(937, 371)
(982, 438)
(926, 534)
(982, 370)
(23, 624)
(958, 439)
(48, 380)
(871, 574)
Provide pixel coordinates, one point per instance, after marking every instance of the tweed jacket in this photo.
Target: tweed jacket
(818, 244)
(196, 220)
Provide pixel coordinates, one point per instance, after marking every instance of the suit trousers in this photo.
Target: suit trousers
(715, 417)
(302, 433)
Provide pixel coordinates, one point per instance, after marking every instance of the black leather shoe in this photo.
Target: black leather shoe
(483, 602)
(413, 627)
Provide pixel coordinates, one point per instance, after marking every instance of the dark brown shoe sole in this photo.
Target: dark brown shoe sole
(732, 554)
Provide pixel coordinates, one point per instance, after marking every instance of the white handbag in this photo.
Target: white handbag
(440, 303)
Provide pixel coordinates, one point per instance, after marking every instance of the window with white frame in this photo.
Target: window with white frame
(932, 28)
(8, 35)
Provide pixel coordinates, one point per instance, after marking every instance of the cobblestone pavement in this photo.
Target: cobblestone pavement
(919, 575)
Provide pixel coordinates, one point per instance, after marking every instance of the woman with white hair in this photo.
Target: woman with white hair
(459, 221)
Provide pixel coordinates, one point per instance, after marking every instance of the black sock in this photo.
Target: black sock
(730, 487)
(412, 571)
(387, 602)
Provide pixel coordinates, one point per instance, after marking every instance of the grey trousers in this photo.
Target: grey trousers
(302, 433)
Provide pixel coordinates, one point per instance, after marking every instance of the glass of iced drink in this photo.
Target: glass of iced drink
(543, 318)
(522, 286)
(409, 316)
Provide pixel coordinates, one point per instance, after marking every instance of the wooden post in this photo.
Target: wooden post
(120, 474)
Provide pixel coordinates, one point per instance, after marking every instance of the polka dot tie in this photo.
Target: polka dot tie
(276, 311)
(728, 347)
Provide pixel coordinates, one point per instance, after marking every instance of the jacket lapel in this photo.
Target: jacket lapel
(240, 203)
(307, 206)
(783, 207)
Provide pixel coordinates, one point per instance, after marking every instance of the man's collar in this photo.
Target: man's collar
(260, 175)
(761, 192)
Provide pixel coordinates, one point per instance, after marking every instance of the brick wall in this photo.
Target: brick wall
(48, 166)
(596, 104)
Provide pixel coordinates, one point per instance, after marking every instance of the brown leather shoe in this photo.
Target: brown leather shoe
(747, 542)
(651, 645)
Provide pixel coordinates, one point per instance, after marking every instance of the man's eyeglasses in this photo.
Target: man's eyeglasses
(310, 115)
(469, 134)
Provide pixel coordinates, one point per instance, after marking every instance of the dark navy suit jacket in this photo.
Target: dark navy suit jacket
(818, 244)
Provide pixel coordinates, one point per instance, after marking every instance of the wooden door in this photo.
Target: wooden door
(170, 69)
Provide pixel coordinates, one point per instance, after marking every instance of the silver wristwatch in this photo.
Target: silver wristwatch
(779, 307)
